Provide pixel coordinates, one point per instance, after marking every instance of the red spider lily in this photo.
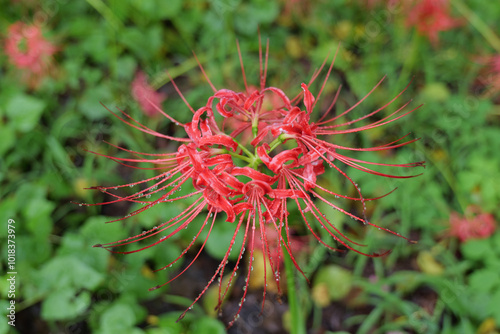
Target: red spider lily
(248, 160)
(145, 95)
(29, 51)
(474, 225)
(430, 17)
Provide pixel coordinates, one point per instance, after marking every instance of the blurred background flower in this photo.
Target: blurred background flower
(473, 225)
(29, 51)
(430, 17)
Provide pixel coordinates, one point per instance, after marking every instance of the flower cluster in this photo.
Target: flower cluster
(251, 161)
(29, 51)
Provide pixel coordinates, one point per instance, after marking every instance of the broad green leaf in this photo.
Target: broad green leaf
(166, 10)
(90, 104)
(24, 111)
(119, 318)
(8, 138)
(4, 326)
(219, 241)
(493, 305)
(65, 303)
(68, 271)
(207, 325)
(95, 230)
(484, 280)
(169, 325)
(37, 213)
(476, 249)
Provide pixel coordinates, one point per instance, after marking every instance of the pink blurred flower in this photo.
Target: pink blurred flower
(29, 51)
(148, 98)
(473, 225)
(430, 17)
(490, 76)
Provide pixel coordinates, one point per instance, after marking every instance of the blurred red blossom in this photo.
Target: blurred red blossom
(148, 98)
(473, 225)
(29, 51)
(430, 17)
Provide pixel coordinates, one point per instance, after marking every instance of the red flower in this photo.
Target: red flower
(473, 225)
(29, 51)
(147, 97)
(252, 179)
(430, 17)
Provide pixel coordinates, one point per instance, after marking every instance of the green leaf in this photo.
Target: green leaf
(90, 104)
(166, 10)
(477, 304)
(64, 304)
(24, 112)
(37, 213)
(495, 241)
(33, 250)
(476, 249)
(169, 325)
(124, 68)
(96, 44)
(207, 325)
(493, 305)
(484, 280)
(95, 230)
(68, 272)
(7, 211)
(73, 243)
(144, 43)
(265, 11)
(119, 318)
(8, 138)
(219, 240)
(4, 326)
(60, 157)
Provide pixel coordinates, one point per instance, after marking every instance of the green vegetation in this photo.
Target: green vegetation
(439, 285)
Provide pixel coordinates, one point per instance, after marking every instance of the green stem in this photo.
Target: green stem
(107, 13)
(244, 149)
(479, 24)
(297, 319)
(278, 141)
(255, 126)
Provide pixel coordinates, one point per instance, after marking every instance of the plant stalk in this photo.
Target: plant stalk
(297, 324)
